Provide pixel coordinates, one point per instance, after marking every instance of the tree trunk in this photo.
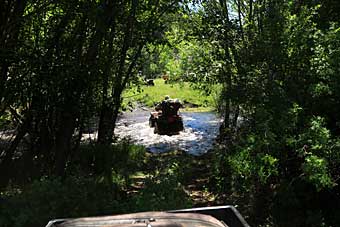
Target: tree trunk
(110, 108)
(236, 114)
(11, 21)
(63, 141)
(105, 130)
(7, 161)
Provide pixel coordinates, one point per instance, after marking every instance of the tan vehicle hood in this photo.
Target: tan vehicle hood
(145, 219)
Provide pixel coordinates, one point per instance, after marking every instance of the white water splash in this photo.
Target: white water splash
(201, 129)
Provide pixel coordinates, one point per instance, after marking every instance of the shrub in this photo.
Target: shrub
(47, 199)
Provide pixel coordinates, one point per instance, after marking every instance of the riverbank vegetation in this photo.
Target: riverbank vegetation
(65, 63)
(192, 99)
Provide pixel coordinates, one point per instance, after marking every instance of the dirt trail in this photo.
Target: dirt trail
(196, 174)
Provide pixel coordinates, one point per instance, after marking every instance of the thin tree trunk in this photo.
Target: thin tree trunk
(250, 18)
(105, 133)
(227, 111)
(11, 21)
(110, 110)
(63, 141)
(236, 114)
(240, 18)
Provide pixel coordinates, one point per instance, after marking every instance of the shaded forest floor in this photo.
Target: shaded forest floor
(197, 176)
(194, 171)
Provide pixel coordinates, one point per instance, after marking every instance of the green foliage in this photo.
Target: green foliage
(268, 167)
(316, 150)
(316, 137)
(114, 163)
(316, 172)
(5, 121)
(81, 194)
(279, 65)
(296, 204)
(52, 198)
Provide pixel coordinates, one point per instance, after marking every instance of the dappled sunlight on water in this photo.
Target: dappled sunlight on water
(198, 137)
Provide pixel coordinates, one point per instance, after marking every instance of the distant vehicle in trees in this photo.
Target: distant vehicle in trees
(150, 82)
(165, 77)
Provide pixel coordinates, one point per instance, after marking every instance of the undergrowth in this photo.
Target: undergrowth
(86, 191)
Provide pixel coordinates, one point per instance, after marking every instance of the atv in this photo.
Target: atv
(166, 124)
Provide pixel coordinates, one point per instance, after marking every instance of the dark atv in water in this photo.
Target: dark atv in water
(165, 125)
(166, 119)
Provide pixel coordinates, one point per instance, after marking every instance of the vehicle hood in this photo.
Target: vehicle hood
(145, 219)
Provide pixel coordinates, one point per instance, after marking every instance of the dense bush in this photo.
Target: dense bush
(280, 74)
(87, 193)
(47, 199)
(109, 161)
(291, 179)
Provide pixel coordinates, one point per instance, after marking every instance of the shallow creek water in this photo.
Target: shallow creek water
(200, 131)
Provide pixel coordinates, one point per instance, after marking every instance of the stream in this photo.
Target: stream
(200, 131)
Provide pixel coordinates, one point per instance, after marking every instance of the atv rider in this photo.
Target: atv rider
(164, 106)
(169, 107)
(174, 106)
